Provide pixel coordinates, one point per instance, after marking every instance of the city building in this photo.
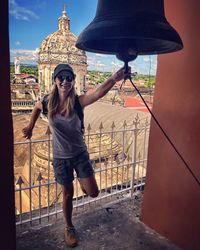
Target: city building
(59, 47)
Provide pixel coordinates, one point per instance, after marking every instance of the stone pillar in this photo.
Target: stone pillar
(171, 203)
(46, 78)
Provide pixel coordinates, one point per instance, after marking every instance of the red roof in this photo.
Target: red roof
(24, 75)
(135, 103)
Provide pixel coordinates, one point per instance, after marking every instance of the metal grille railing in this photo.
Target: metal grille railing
(23, 103)
(118, 156)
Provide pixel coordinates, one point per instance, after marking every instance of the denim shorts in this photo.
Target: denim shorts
(64, 168)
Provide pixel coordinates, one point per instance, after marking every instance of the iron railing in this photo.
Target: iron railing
(118, 156)
(22, 106)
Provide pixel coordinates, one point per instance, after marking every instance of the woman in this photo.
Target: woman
(69, 149)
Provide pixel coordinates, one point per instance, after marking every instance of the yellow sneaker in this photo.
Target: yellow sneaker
(70, 236)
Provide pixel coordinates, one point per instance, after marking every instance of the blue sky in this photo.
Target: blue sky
(30, 21)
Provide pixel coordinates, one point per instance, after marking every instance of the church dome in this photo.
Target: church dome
(59, 46)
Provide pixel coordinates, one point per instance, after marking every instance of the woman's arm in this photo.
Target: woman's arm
(27, 131)
(102, 90)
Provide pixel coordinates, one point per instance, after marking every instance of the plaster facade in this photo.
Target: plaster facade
(171, 202)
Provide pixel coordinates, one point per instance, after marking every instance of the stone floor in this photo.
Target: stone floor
(114, 226)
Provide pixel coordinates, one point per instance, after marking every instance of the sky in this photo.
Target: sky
(31, 21)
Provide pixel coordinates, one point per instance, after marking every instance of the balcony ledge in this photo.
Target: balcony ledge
(112, 226)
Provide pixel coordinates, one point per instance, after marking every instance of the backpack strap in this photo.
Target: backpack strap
(45, 101)
(79, 111)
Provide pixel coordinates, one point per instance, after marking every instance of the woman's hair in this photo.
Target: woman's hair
(53, 103)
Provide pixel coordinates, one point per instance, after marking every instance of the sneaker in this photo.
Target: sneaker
(70, 236)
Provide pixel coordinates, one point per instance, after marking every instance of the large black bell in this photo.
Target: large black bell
(127, 28)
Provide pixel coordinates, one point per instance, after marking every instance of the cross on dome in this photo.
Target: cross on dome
(64, 10)
(64, 21)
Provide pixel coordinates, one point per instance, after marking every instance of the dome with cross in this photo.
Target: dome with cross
(59, 47)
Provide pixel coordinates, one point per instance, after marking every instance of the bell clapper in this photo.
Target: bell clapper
(126, 74)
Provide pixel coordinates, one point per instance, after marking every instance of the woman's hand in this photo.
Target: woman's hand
(103, 89)
(27, 132)
(119, 75)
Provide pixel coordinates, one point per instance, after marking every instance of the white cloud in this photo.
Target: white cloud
(18, 43)
(37, 50)
(20, 12)
(117, 64)
(141, 65)
(147, 59)
(25, 56)
(101, 65)
(154, 66)
(133, 66)
(90, 63)
(100, 55)
(91, 60)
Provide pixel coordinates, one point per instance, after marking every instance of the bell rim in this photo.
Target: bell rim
(94, 32)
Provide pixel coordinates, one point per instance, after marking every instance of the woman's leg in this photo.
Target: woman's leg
(85, 173)
(89, 186)
(68, 193)
(64, 174)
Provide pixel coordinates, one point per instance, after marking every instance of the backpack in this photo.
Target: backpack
(77, 107)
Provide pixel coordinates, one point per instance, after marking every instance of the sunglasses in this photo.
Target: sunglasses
(68, 78)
